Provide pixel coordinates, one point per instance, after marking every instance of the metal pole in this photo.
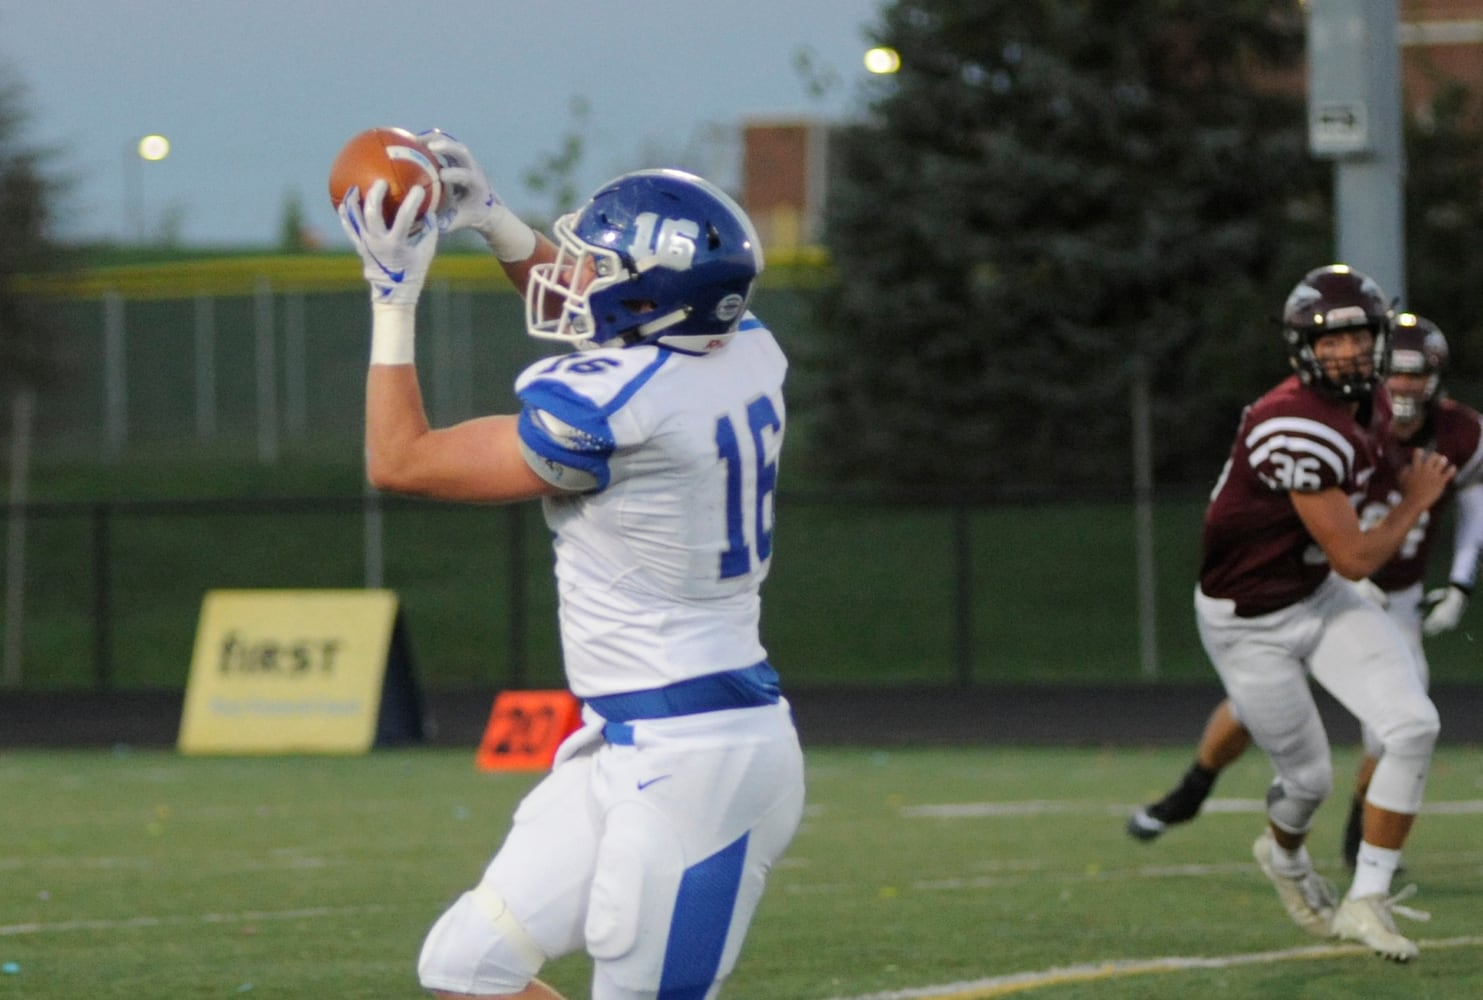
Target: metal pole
(296, 388)
(963, 589)
(443, 362)
(375, 533)
(205, 341)
(102, 598)
(463, 354)
(1354, 117)
(1369, 192)
(1148, 649)
(133, 193)
(23, 410)
(115, 380)
(267, 386)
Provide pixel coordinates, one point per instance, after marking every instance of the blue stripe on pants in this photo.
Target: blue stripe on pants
(697, 934)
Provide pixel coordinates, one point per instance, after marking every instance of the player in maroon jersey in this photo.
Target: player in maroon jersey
(1282, 536)
(1421, 417)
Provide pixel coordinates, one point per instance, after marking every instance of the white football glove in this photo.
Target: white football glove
(1444, 607)
(1370, 591)
(396, 258)
(471, 203)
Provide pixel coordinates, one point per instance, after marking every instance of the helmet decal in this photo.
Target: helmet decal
(654, 257)
(673, 247)
(729, 308)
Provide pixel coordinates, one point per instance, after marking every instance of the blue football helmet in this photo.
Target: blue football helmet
(654, 257)
(1331, 299)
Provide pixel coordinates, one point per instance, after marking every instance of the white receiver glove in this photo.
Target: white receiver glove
(1444, 607)
(471, 203)
(396, 258)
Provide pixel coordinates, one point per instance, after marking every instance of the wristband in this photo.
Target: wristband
(393, 334)
(508, 237)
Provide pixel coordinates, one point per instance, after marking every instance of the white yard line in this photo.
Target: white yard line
(246, 916)
(1021, 982)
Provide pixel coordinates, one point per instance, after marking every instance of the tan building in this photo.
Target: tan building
(783, 180)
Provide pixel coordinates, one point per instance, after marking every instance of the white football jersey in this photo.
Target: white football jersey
(662, 547)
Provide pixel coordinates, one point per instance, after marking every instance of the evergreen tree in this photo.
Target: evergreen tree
(29, 337)
(1046, 191)
(1444, 230)
(292, 230)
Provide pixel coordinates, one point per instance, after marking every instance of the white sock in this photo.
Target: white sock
(1292, 864)
(1373, 870)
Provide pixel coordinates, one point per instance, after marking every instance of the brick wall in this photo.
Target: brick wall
(1441, 40)
(782, 180)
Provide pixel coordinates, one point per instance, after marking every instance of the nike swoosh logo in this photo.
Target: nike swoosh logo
(395, 276)
(646, 784)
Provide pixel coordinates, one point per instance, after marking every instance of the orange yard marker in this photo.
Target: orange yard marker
(525, 728)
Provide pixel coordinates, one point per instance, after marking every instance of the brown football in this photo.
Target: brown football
(394, 155)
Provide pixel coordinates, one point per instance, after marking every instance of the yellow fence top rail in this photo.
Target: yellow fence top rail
(328, 272)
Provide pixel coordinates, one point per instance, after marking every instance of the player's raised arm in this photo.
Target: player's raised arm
(470, 202)
(477, 460)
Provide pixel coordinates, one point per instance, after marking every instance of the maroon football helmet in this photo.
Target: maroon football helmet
(1328, 299)
(1417, 347)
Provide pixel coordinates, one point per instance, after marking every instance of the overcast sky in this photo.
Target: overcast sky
(256, 96)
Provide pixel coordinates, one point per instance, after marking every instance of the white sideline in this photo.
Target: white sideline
(1020, 982)
(1042, 807)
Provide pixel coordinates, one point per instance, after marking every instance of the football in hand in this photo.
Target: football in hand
(393, 155)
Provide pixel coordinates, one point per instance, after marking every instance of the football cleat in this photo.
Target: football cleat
(1368, 920)
(1143, 825)
(1308, 898)
(1181, 805)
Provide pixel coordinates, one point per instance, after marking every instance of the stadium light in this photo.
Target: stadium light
(154, 148)
(882, 60)
(146, 149)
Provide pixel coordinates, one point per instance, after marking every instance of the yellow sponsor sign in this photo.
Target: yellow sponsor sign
(296, 671)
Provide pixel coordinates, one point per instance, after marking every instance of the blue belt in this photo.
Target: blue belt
(620, 733)
(746, 687)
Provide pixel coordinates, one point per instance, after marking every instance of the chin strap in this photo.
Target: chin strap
(647, 330)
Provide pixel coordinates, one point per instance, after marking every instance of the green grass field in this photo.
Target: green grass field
(947, 874)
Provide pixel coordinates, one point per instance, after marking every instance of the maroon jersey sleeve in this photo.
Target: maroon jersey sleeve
(1453, 430)
(1459, 436)
(1256, 550)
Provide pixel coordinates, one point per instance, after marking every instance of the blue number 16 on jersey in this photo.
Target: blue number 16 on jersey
(764, 424)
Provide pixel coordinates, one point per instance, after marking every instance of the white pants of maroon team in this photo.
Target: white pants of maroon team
(1352, 647)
